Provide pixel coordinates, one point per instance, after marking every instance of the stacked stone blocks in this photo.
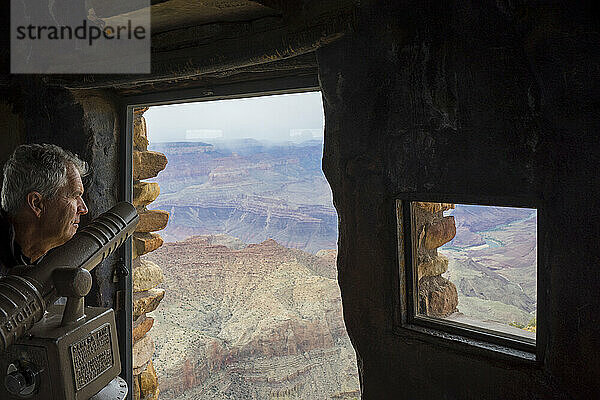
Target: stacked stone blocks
(146, 274)
(437, 295)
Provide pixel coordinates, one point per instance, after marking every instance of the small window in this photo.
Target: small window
(473, 270)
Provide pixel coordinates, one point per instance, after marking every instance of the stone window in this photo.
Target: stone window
(473, 269)
(237, 296)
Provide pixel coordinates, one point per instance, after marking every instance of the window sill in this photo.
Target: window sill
(462, 343)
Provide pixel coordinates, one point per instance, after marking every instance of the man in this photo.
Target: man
(41, 203)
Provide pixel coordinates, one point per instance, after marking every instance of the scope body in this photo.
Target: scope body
(42, 356)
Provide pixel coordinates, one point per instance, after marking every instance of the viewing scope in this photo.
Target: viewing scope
(69, 351)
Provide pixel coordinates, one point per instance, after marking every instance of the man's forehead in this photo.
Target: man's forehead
(74, 178)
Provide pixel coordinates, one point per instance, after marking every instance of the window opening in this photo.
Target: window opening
(475, 266)
(251, 306)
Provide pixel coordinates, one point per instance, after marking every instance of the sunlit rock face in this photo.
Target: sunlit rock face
(261, 320)
(439, 232)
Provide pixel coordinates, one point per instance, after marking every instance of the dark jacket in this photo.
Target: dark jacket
(10, 251)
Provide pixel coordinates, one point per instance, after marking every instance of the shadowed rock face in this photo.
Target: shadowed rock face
(260, 320)
(434, 110)
(436, 266)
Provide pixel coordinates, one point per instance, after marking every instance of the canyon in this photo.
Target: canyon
(254, 321)
(492, 260)
(248, 189)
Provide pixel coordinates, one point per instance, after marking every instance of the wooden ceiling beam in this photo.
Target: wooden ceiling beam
(191, 52)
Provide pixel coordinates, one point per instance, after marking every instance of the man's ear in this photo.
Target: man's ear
(35, 203)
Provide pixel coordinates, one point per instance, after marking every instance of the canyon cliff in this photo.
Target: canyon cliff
(250, 190)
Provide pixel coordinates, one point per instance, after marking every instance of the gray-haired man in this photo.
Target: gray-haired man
(41, 203)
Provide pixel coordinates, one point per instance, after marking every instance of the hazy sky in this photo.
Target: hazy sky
(279, 117)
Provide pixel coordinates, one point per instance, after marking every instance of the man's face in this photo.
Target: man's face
(61, 215)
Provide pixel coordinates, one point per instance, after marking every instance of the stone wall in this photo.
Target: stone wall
(477, 101)
(11, 129)
(146, 274)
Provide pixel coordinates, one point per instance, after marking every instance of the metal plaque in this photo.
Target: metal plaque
(91, 356)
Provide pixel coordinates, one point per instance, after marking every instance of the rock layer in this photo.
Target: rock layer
(145, 193)
(146, 275)
(435, 266)
(437, 296)
(249, 191)
(149, 383)
(140, 138)
(439, 232)
(142, 327)
(434, 207)
(143, 350)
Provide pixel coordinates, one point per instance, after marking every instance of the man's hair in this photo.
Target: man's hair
(38, 168)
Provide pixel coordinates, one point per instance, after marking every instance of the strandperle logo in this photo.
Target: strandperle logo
(74, 36)
(89, 33)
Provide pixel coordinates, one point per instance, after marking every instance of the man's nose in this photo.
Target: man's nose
(82, 208)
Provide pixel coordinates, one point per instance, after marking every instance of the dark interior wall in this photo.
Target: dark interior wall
(11, 126)
(84, 122)
(102, 131)
(474, 100)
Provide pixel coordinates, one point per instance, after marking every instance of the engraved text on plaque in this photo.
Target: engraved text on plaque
(91, 356)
